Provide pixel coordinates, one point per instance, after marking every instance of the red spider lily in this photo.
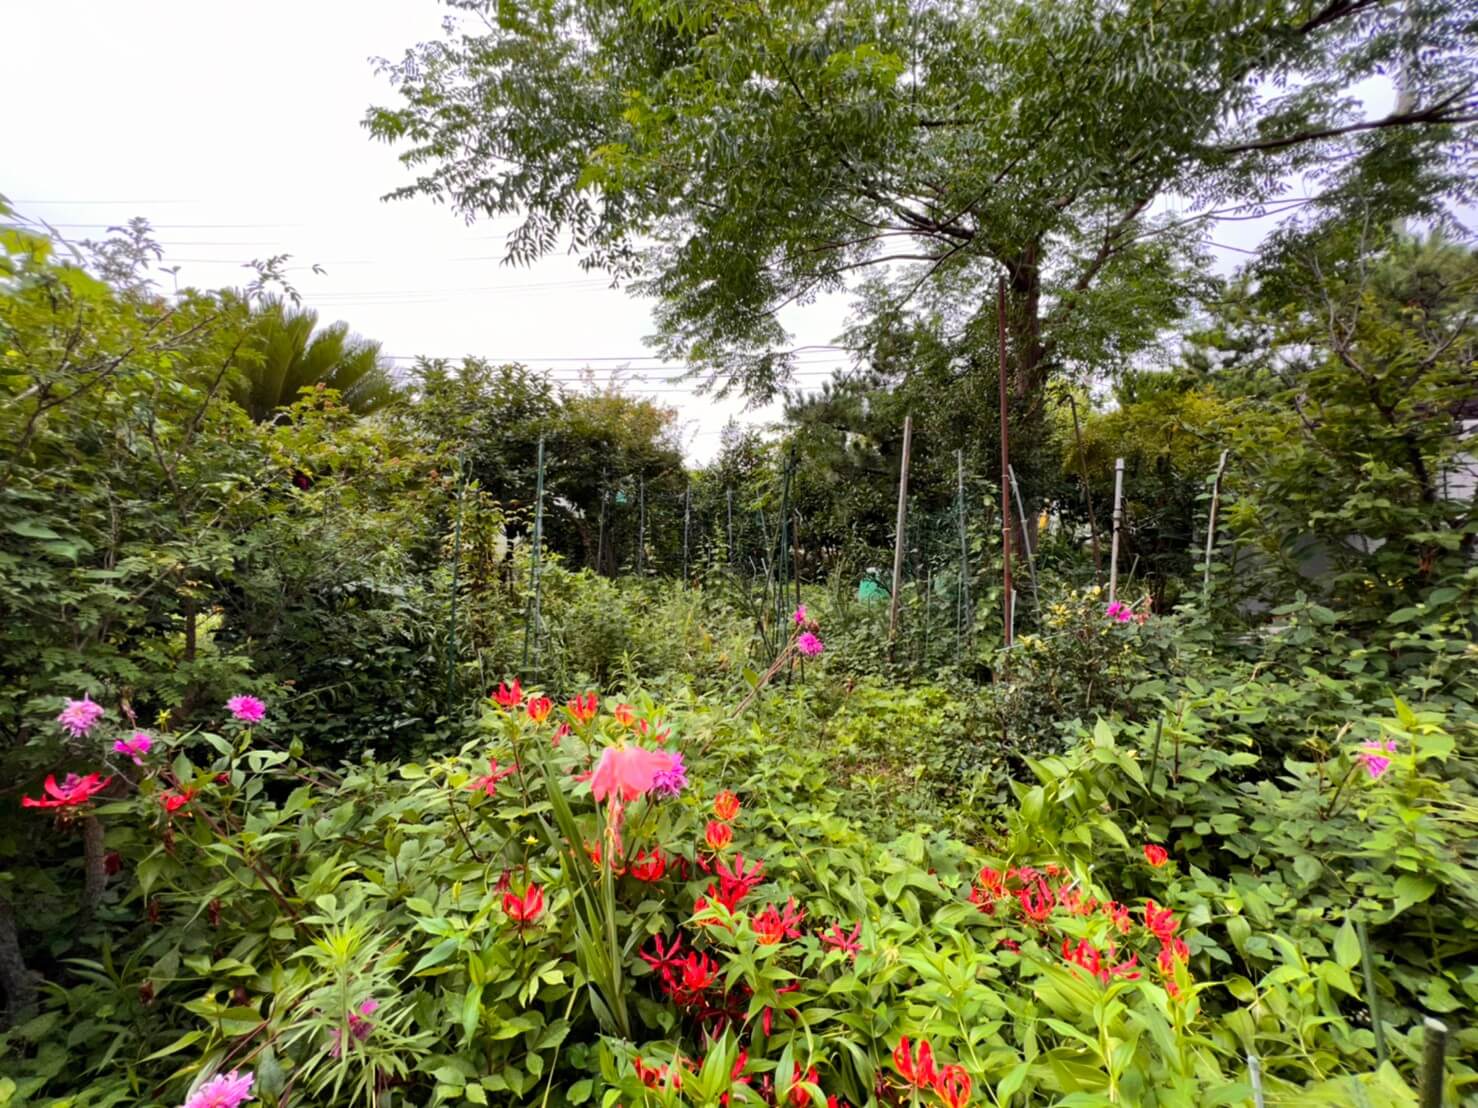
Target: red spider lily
(624, 714)
(175, 799)
(666, 962)
(583, 709)
(696, 973)
(524, 910)
(649, 867)
(1156, 856)
(838, 939)
(918, 1070)
(953, 1086)
(1089, 958)
(1036, 899)
(799, 1097)
(73, 792)
(507, 697)
(488, 783)
(736, 882)
(1160, 921)
(1172, 950)
(718, 835)
(539, 708)
(772, 925)
(726, 806)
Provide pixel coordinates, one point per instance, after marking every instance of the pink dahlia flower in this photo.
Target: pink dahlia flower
(79, 715)
(225, 1090)
(248, 709)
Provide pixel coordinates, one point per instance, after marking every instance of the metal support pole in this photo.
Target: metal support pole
(1118, 523)
(1087, 494)
(1008, 620)
(965, 615)
(1221, 468)
(1026, 541)
(1254, 1072)
(900, 529)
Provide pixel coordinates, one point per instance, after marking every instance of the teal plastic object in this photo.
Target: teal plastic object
(870, 592)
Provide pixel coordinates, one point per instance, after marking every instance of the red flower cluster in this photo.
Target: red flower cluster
(951, 1083)
(1088, 957)
(685, 979)
(582, 709)
(509, 697)
(649, 867)
(735, 882)
(838, 939)
(175, 799)
(487, 784)
(773, 925)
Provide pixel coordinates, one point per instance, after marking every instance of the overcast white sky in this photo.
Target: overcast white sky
(235, 129)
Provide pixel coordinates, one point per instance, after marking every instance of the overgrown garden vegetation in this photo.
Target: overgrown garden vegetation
(444, 737)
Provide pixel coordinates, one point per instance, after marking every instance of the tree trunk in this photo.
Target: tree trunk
(17, 983)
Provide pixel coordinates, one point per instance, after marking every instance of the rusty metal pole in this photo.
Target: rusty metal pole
(1007, 595)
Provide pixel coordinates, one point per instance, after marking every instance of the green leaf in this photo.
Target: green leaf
(1347, 946)
(1411, 889)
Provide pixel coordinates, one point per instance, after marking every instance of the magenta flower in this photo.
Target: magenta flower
(1119, 611)
(1374, 755)
(248, 709)
(800, 615)
(79, 715)
(809, 645)
(359, 1026)
(134, 747)
(673, 780)
(225, 1090)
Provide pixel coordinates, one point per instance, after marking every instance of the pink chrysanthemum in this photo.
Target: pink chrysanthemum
(134, 747)
(248, 709)
(225, 1090)
(809, 645)
(79, 715)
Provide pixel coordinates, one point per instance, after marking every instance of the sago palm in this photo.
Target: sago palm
(293, 353)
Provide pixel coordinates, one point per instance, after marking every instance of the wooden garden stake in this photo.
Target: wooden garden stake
(899, 530)
(1118, 525)
(1221, 468)
(1434, 1061)
(1031, 561)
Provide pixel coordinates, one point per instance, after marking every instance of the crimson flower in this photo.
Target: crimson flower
(953, 1086)
(718, 835)
(539, 708)
(73, 792)
(726, 806)
(667, 962)
(917, 1070)
(654, 1077)
(1036, 899)
(1156, 856)
(1089, 958)
(649, 867)
(1118, 913)
(838, 939)
(487, 784)
(736, 882)
(1172, 950)
(772, 925)
(175, 799)
(524, 909)
(584, 708)
(736, 1075)
(624, 714)
(698, 972)
(560, 732)
(1160, 921)
(509, 697)
(799, 1097)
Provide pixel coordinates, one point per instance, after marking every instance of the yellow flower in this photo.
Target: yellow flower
(531, 840)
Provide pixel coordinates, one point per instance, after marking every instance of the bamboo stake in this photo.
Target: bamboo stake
(729, 497)
(1221, 468)
(964, 614)
(641, 525)
(1087, 495)
(1118, 524)
(899, 530)
(687, 521)
(1008, 595)
(1254, 1072)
